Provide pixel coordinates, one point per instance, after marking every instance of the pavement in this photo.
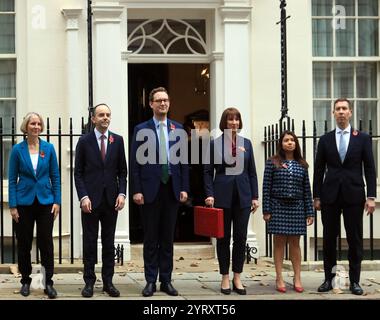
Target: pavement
(195, 279)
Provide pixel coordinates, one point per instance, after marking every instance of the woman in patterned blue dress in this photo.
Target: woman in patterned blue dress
(287, 204)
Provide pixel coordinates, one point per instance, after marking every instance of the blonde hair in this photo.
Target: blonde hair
(25, 122)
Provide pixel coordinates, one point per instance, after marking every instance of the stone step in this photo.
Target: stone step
(188, 250)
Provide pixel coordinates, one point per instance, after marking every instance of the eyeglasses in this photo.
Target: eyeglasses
(161, 100)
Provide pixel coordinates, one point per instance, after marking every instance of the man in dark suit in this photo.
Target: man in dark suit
(158, 186)
(344, 152)
(100, 180)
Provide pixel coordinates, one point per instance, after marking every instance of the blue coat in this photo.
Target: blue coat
(25, 185)
(145, 178)
(93, 175)
(221, 187)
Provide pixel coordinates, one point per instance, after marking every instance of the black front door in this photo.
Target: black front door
(142, 78)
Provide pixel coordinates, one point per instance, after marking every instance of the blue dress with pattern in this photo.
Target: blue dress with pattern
(287, 197)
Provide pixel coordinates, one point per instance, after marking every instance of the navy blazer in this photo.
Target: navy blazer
(221, 186)
(331, 175)
(93, 175)
(25, 185)
(145, 178)
(280, 183)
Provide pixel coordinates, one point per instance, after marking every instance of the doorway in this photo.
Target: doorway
(188, 87)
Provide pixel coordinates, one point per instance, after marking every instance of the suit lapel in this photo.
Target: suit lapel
(95, 146)
(26, 156)
(171, 127)
(41, 156)
(110, 145)
(332, 141)
(152, 126)
(351, 144)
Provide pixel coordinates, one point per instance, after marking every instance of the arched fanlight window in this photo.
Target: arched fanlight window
(167, 36)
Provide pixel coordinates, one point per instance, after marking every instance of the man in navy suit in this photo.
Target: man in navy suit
(344, 152)
(100, 180)
(158, 187)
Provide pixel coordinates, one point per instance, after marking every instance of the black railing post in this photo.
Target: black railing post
(89, 49)
(304, 156)
(371, 215)
(265, 159)
(284, 67)
(1, 192)
(315, 211)
(13, 222)
(60, 177)
(71, 194)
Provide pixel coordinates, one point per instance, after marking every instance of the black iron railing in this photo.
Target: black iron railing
(307, 140)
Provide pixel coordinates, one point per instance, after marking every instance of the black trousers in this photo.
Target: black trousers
(107, 216)
(239, 218)
(159, 220)
(44, 219)
(353, 223)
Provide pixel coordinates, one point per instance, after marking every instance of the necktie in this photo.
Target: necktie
(102, 146)
(342, 147)
(163, 156)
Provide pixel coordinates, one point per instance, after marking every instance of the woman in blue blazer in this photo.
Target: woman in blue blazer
(287, 204)
(234, 188)
(34, 197)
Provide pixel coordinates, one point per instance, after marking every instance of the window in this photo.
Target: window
(345, 59)
(345, 28)
(7, 74)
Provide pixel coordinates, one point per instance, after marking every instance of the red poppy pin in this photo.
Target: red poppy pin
(355, 132)
(110, 139)
(42, 154)
(172, 126)
(284, 166)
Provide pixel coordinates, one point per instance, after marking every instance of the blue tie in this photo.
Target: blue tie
(342, 147)
(163, 156)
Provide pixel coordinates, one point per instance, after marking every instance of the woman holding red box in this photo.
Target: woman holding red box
(231, 183)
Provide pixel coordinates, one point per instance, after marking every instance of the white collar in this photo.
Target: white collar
(99, 134)
(347, 129)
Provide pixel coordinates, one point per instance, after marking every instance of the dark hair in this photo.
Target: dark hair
(155, 90)
(279, 157)
(98, 105)
(343, 100)
(229, 112)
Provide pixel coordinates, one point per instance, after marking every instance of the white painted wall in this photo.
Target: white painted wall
(43, 72)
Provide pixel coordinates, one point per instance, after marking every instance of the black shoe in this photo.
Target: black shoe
(168, 288)
(225, 291)
(25, 289)
(111, 290)
(88, 291)
(50, 291)
(356, 289)
(149, 289)
(242, 292)
(325, 286)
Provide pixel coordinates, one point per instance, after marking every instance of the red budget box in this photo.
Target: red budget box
(208, 222)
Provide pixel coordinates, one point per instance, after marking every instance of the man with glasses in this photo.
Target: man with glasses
(158, 187)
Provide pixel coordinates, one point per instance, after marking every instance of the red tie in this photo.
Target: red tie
(102, 146)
